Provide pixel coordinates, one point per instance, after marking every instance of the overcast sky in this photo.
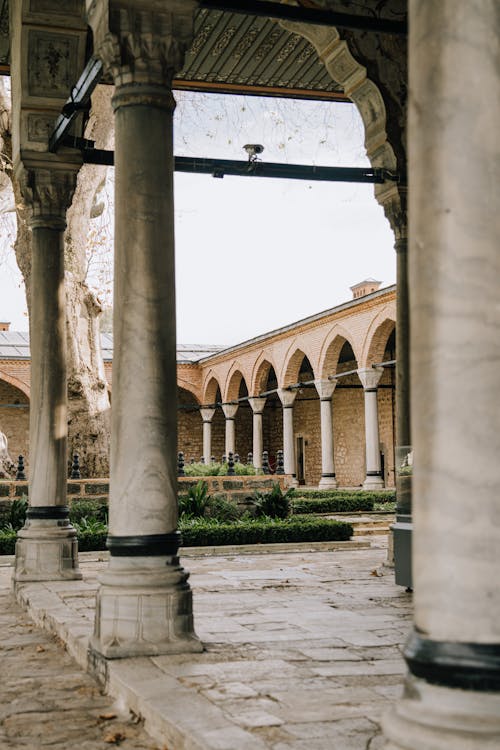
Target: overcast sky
(254, 254)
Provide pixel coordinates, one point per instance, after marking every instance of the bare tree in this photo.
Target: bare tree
(88, 398)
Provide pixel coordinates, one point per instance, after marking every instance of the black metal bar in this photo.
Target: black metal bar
(318, 16)
(78, 98)
(235, 168)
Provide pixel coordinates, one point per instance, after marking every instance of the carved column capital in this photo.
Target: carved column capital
(286, 397)
(257, 404)
(47, 193)
(370, 377)
(230, 410)
(142, 42)
(325, 389)
(207, 414)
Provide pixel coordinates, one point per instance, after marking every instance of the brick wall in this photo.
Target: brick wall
(14, 420)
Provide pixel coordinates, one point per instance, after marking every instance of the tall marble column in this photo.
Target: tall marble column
(230, 414)
(144, 604)
(257, 403)
(325, 390)
(207, 416)
(47, 548)
(452, 695)
(369, 379)
(287, 399)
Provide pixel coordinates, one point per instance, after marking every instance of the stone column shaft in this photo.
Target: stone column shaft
(144, 603)
(287, 399)
(207, 416)
(230, 414)
(369, 378)
(257, 405)
(325, 390)
(47, 547)
(452, 696)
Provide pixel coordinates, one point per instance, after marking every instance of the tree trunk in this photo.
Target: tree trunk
(88, 398)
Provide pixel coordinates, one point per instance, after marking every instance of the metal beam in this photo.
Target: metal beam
(77, 102)
(231, 167)
(319, 17)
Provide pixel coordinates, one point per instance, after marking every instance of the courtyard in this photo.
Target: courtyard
(302, 651)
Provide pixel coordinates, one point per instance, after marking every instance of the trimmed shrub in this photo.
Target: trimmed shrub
(7, 541)
(377, 496)
(194, 504)
(222, 509)
(92, 540)
(332, 505)
(204, 532)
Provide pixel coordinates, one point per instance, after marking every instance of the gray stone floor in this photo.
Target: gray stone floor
(302, 653)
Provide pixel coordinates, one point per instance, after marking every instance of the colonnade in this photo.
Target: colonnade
(369, 377)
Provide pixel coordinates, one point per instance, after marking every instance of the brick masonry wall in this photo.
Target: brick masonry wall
(349, 432)
(14, 421)
(306, 424)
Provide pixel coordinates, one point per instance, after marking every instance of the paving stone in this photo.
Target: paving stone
(302, 653)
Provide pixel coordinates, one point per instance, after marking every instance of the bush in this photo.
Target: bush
(377, 496)
(274, 504)
(332, 505)
(205, 532)
(222, 509)
(194, 504)
(92, 540)
(17, 513)
(88, 509)
(217, 469)
(7, 541)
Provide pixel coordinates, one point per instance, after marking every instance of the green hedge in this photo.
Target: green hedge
(203, 532)
(332, 505)
(380, 496)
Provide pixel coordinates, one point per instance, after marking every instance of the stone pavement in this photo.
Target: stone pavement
(302, 653)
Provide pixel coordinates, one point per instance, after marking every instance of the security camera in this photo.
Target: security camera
(253, 149)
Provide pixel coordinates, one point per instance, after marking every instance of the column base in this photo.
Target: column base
(328, 482)
(46, 550)
(431, 717)
(144, 608)
(374, 482)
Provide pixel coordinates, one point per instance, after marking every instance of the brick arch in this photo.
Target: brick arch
(330, 351)
(377, 336)
(261, 372)
(185, 386)
(209, 392)
(291, 367)
(233, 383)
(16, 383)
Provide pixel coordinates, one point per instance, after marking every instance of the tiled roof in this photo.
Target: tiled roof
(16, 345)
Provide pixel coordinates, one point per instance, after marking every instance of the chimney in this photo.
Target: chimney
(4, 326)
(364, 287)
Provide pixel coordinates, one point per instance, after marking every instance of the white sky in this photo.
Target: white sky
(254, 254)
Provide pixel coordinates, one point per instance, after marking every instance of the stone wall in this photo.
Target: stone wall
(235, 488)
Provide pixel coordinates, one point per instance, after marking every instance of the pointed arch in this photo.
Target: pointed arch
(210, 388)
(292, 365)
(16, 383)
(377, 336)
(260, 372)
(234, 381)
(331, 349)
(184, 385)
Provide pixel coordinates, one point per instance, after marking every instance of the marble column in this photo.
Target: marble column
(369, 379)
(47, 548)
(207, 416)
(452, 693)
(325, 390)
(287, 399)
(257, 403)
(144, 604)
(230, 414)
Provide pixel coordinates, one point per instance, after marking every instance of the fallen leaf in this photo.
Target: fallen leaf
(40, 649)
(115, 738)
(376, 573)
(107, 717)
